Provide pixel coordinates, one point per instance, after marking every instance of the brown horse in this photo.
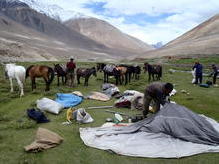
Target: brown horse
(123, 74)
(40, 71)
(153, 70)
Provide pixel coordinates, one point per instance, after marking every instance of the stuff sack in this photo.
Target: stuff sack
(49, 105)
(38, 116)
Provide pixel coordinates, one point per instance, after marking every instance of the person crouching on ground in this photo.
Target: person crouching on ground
(70, 69)
(158, 92)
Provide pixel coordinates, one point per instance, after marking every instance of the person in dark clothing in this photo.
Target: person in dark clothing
(70, 69)
(214, 73)
(158, 92)
(198, 72)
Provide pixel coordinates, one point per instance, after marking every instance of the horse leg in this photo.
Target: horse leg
(78, 78)
(21, 86)
(117, 78)
(63, 80)
(47, 83)
(58, 80)
(130, 75)
(107, 78)
(104, 77)
(149, 77)
(33, 83)
(126, 79)
(86, 81)
(11, 84)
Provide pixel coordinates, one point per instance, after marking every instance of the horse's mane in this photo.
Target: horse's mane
(28, 69)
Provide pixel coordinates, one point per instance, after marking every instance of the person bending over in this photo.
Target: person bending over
(158, 92)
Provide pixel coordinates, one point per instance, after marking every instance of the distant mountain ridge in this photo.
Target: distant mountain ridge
(53, 11)
(203, 40)
(106, 34)
(54, 39)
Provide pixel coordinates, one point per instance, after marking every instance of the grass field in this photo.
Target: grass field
(17, 131)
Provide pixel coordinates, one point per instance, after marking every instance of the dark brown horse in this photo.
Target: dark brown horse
(35, 71)
(61, 72)
(153, 70)
(85, 73)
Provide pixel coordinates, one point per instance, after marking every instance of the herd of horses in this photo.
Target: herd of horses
(122, 73)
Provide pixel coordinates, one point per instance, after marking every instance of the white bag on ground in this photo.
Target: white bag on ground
(82, 116)
(49, 105)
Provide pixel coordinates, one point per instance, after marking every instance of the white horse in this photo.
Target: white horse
(13, 71)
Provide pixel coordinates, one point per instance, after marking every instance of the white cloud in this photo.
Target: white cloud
(187, 14)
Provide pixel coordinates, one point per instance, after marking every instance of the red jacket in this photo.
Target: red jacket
(70, 66)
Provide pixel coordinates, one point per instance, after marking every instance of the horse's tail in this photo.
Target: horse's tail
(160, 71)
(52, 74)
(27, 71)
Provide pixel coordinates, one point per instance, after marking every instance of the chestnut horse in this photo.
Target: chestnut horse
(40, 71)
(123, 74)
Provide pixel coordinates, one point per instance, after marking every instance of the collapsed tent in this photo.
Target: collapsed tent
(98, 96)
(173, 132)
(130, 99)
(68, 100)
(110, 89)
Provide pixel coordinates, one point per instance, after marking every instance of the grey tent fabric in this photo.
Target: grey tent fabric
(176, 121)
(173, 132)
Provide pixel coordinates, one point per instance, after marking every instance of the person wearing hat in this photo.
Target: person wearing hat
(157, 92)
(70, 69)
(214, 73)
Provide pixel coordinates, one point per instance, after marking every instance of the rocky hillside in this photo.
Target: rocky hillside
(202, 40)
(106, 34)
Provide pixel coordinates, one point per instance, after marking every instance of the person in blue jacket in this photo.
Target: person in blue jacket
(198, 72)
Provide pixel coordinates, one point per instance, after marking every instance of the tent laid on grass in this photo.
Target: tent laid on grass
(68, 100)
(173, 132)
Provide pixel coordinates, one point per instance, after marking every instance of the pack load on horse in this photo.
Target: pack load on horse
(153, 70)
(43, 71)
(85, 73)
(111, 70)
(13, 71)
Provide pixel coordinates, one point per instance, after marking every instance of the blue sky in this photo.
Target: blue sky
(138, 18)
(151, 21)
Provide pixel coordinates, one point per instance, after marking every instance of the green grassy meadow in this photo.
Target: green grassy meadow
(17, 130)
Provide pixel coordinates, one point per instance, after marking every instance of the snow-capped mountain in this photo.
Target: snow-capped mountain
(53, 11)
(158, 45)
(11, 3)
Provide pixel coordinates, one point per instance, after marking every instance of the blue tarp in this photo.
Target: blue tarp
(68, 100)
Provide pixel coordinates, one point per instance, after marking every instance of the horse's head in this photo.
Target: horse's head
(98, 66)
(145, 67)
(56, 67)
(94, 71)
(7, 68)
